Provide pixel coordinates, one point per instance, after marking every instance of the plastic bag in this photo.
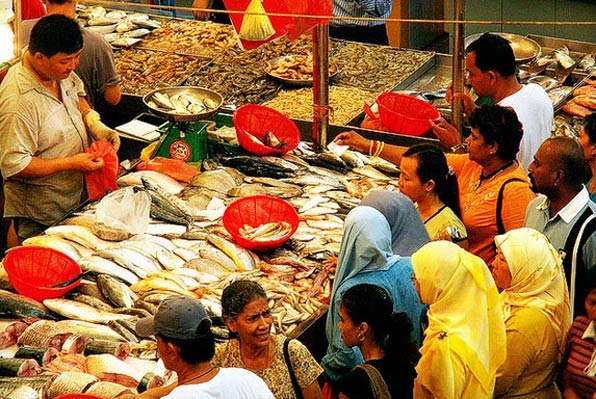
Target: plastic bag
(104, 179)
(125, 210)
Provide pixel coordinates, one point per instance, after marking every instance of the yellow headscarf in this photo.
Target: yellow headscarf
(537, 278)
(463, 307)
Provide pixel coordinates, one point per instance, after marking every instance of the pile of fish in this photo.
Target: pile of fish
(118, 27)
(86, 341)
(562, 61)
(182, 103)
(265, 232)
(583, 102)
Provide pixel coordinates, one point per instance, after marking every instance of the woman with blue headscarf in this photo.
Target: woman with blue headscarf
(366, 256)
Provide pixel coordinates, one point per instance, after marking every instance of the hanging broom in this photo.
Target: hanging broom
(256, 26)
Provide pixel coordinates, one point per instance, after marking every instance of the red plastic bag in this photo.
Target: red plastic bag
(311, 8)
(103, 180)
(371, 120)
(175, 168)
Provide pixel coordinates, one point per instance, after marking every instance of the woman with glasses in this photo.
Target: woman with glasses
(246, 312)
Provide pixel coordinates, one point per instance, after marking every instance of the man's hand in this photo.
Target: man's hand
(352, 139)
(99, 131)
(446, 133)
(85, 162)
(201, 15)
(468, 102)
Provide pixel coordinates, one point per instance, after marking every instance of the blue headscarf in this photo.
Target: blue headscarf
(365, 256)
(408, 233)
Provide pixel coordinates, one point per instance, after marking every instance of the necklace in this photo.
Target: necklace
(492, 174)
(198, 376)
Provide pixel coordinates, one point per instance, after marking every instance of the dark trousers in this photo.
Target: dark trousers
(365, 34)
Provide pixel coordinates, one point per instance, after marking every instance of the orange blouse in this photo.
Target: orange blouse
(478, 202)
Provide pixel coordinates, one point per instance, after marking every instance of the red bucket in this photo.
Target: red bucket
(31, 269)
(257, 210)
(257, 120)
(405, 114)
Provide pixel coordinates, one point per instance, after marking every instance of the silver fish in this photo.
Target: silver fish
(80, 311)
(100, 265)
(116, 292)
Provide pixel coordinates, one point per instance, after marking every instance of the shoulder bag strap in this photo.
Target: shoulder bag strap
(291, 369)
(377, 383)
(500, 227)
(575, 253)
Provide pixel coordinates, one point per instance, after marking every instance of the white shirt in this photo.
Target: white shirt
(535, 112)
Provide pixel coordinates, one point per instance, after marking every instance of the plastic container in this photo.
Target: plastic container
(31, 269)
(258, 120)
(405, 114)
(257, 210)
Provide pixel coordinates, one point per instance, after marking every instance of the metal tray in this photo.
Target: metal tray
(523, 47)
(193, 90)
(333, 70)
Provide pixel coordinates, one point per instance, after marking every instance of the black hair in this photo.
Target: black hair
(371, 304)
(590, 126)
(239, 294)
(196, 350)
(568, 155)
(55, 34)
(493, 53)
(499, 125)
(432, 165)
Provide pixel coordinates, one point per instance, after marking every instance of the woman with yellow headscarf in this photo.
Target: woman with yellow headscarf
(535, 303)
(464, 343)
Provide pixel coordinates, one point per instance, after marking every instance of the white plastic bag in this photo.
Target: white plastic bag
(125, 210)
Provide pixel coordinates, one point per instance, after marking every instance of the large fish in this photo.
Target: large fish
(116, 292)
(80, 311)
(39, 383)
(15, 305)
(107, 389)
(99, 265)
(79, 234)
(70, 382)
(24, 392)
(54, 242)
(108, 367)
(219, 180)
(160, 284)
(161, 180)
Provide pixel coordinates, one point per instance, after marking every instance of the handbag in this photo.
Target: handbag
(291, 369)
(377, 383)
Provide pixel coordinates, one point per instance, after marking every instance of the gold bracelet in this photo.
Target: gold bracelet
(379, 149)
(370, 147)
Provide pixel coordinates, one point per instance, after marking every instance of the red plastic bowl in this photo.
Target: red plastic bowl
(259, 119)
(405, 114)
(255, 211)
(31, 269)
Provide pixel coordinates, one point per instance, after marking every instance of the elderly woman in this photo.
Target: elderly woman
(464, 343)
(408, 233)
(246, 313)
(367, 320)
(587, 139)
(365, 256)
(529, 274)
(494, 190)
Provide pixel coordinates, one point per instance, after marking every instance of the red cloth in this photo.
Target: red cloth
(103, 180)
(32, 9)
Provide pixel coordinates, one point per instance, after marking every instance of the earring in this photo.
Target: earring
(360, 338)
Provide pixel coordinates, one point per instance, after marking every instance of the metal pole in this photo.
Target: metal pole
(17, 42)
(458, 63)
(320, 55)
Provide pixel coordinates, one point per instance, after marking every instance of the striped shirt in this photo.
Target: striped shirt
(361, 9)
(580, 349)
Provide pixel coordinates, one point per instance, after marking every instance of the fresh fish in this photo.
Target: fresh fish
(265, 232)
(256, 166)
(88, 329)
(70, 382)
(314, 180)
(109, 233)
(207, 267)
(587, 62)
(42, 355)
(546, 82)
(79, 234)
(116, 292)
(108, 389)
(385, 166)
(39, 383)
(201, 278)
(18, 367)
(160, 241)
(328, 160)
(160, 284)
(80, 311)
(125, 26)
(271, 140)
(372, 172)
(158, 179)
(285, 163)
(168, 201)
(99, 265)
(15, 305)
(43, 334)
(351, 159)
(241, 257)
(218, 180)
(24, 392)
(97, 346)
(54, 242)
(90, 300)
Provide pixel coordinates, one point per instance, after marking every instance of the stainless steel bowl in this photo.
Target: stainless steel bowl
(524, 49)
(197, 92)
(333, 70)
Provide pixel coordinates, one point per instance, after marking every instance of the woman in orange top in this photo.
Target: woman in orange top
(488, 169)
